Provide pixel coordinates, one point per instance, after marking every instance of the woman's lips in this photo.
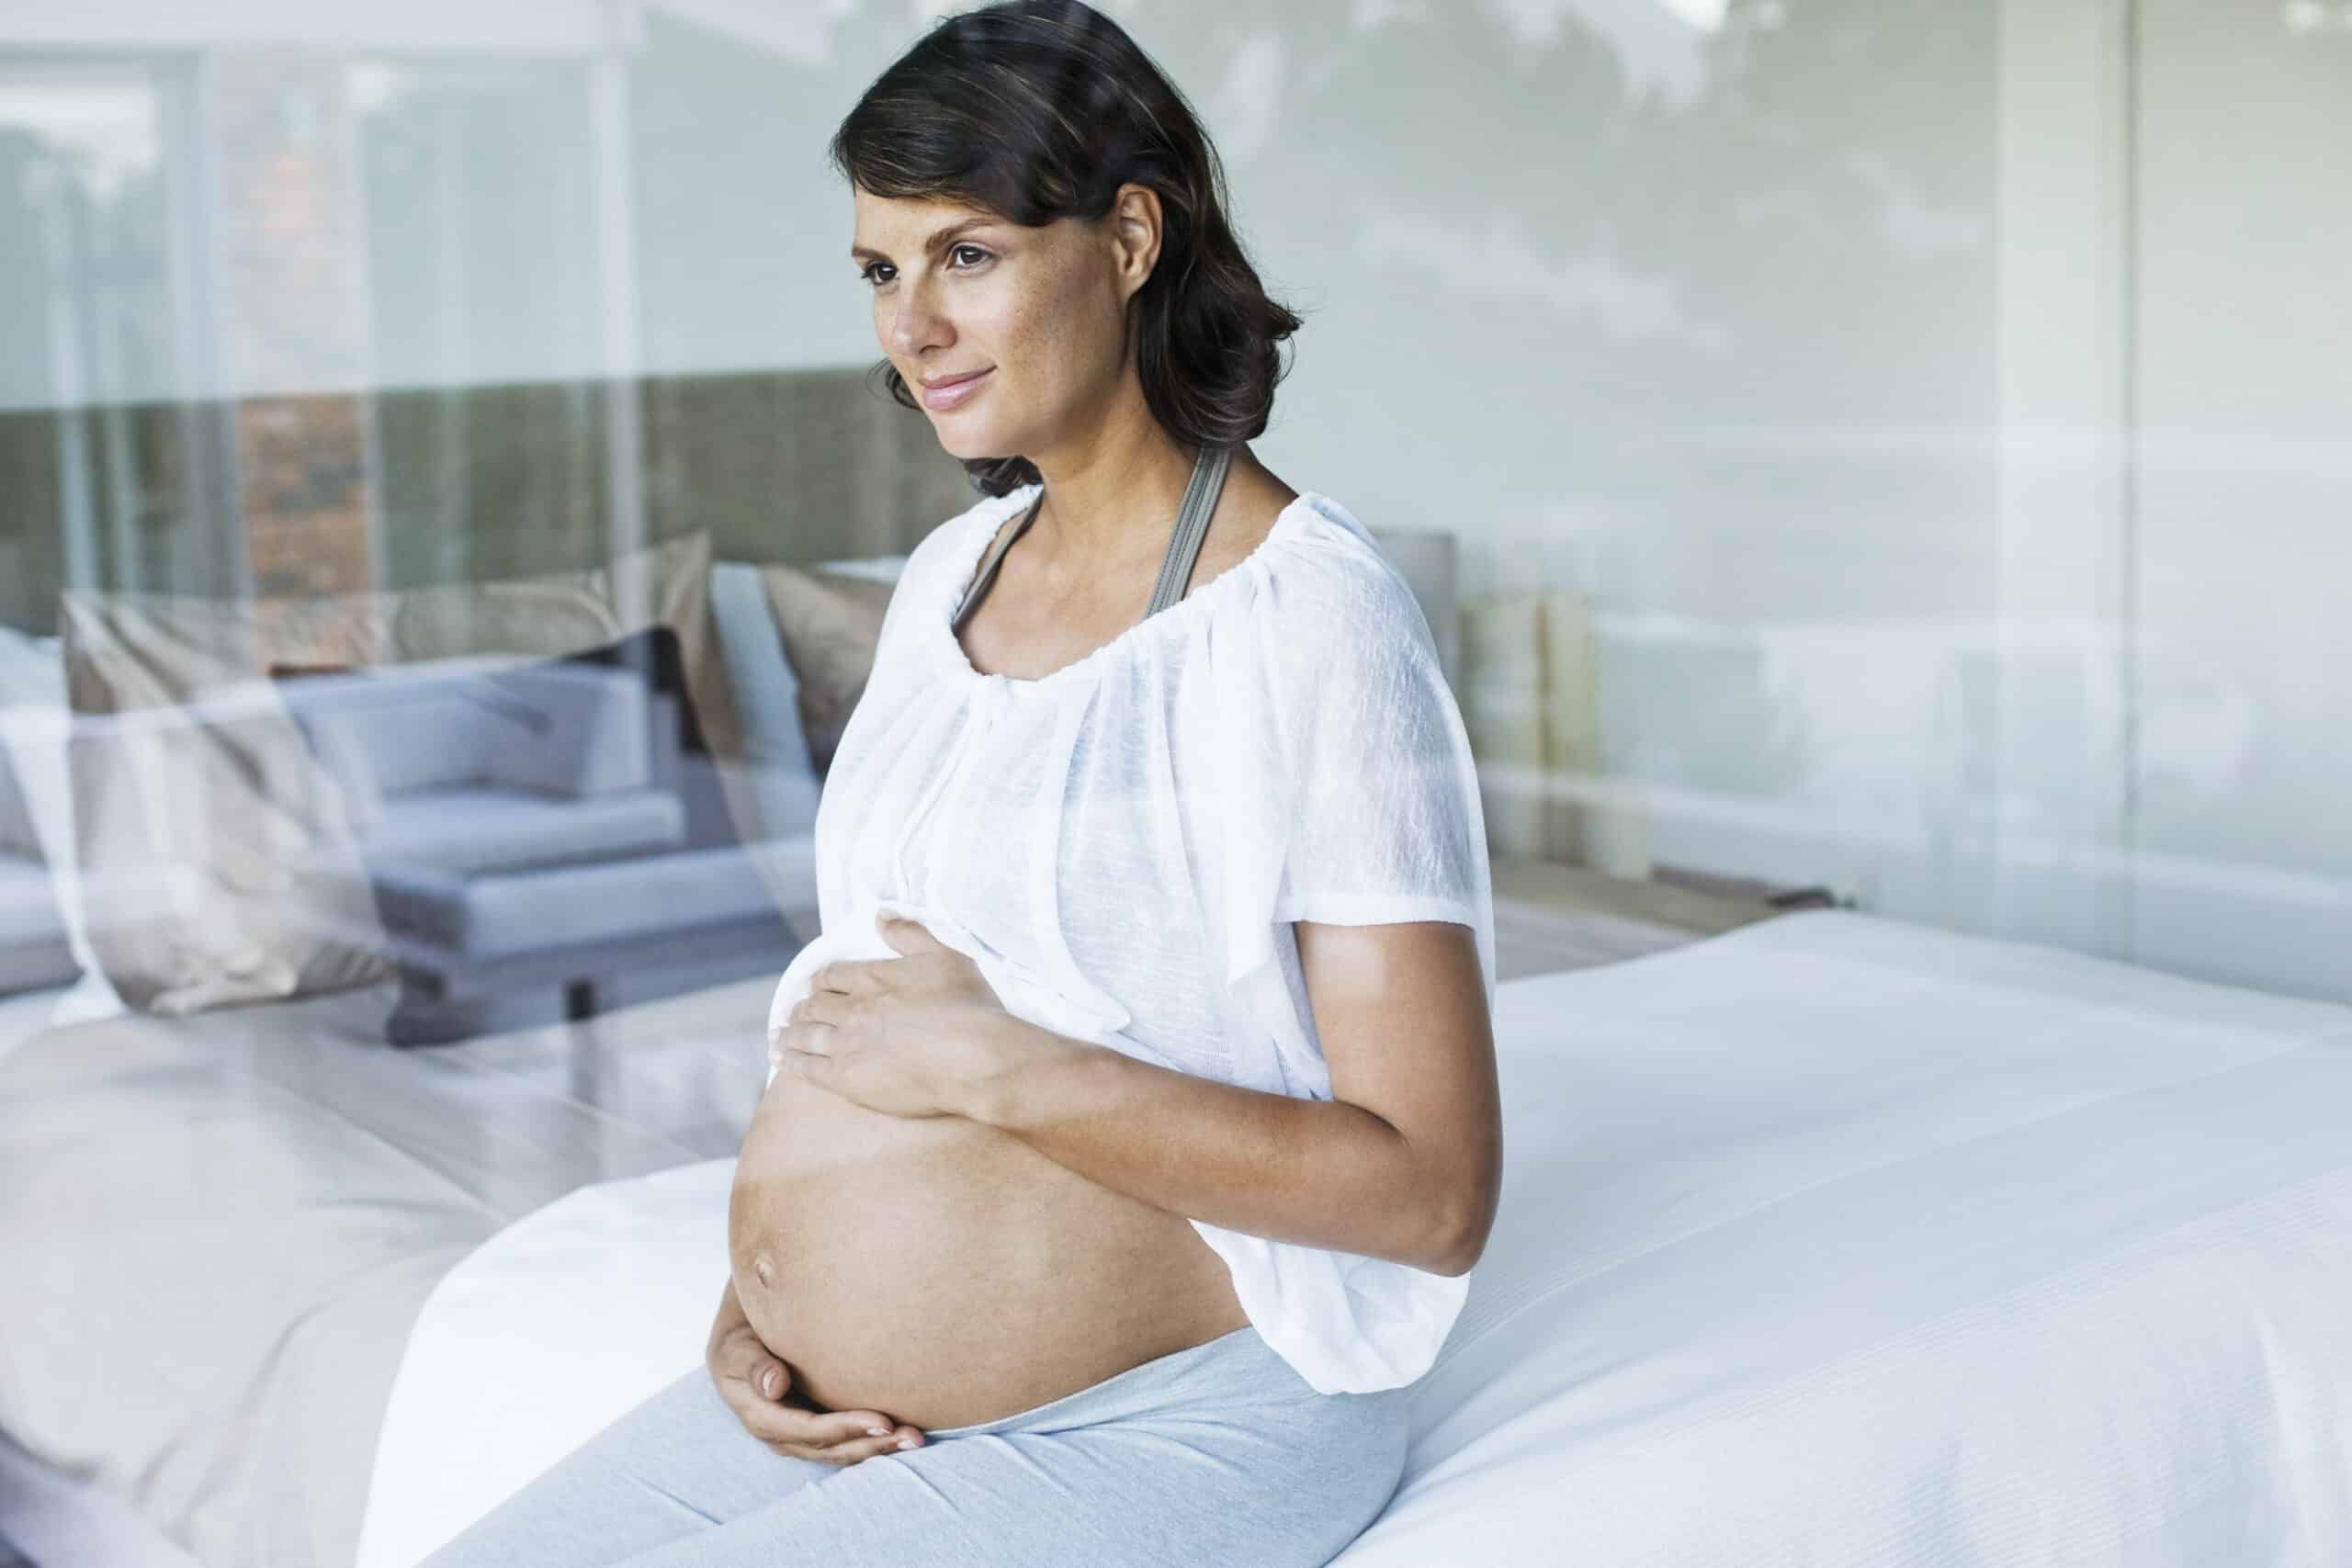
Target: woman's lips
(955, 392)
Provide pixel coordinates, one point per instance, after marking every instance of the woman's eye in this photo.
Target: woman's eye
(868, 272)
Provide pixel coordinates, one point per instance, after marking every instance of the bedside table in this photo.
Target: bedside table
(1550, 916)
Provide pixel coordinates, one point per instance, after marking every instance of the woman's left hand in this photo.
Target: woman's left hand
(907, 1036)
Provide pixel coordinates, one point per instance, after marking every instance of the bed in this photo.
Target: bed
(1831, 1239)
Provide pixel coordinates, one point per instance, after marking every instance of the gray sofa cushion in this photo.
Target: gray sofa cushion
(28, 910)
(19, 833)
(498, 829)
(33, 949)
(485, 918)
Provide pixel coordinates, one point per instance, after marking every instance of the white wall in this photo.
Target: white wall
(2242, 778)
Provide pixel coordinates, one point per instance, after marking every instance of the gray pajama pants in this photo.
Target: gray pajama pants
(1216, 1454)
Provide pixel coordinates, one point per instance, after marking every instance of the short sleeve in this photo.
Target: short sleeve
(1385, 820)
(1344, 791)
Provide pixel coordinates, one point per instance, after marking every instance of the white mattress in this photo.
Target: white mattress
(1830, 1240)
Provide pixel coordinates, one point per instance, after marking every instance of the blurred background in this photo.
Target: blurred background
(1892, 452)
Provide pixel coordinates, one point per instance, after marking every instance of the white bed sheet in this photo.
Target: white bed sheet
(1829, 1240)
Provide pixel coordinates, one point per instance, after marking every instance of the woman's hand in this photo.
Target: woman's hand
(913, 1035)
(755, 1384)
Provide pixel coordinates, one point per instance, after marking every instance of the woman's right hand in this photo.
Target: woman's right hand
(755, 1382)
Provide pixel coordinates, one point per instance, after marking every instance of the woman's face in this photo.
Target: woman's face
(1040, 311)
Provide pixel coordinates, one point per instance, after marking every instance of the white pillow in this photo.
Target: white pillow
(34, 724)
(767, 702)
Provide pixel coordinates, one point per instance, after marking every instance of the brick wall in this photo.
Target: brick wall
(294, 315)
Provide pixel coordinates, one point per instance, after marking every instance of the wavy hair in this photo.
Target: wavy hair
(1040, 109)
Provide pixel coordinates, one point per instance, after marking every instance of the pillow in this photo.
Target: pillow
(831, 622)
(337, 745)
(33, 727)
(656, 657)
(218, 862)
(219, 855)
(767, 702)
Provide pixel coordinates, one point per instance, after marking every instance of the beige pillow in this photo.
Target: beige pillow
(831, 622)
(219, 855)
(216, 866)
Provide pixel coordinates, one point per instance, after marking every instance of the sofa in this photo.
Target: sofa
(537, 839)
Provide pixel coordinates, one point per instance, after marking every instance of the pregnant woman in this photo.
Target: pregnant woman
(1131, 1126)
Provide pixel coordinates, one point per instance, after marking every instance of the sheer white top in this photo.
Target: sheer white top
(1120, 846)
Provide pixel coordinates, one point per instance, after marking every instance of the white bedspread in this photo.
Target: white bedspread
(1833, 1240)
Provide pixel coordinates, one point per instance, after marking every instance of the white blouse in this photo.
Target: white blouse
(1120, 845)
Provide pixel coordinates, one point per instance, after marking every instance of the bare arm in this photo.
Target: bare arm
(1404, 1161)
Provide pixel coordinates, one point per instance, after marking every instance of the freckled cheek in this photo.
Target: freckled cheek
(1066, 343)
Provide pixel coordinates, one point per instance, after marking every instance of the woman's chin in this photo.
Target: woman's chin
(963, 445)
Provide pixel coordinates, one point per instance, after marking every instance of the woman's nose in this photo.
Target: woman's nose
(916, 324)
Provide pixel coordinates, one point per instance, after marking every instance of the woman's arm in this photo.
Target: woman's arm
(1404, 1162)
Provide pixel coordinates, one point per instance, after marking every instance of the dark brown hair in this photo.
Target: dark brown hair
(1040, 109)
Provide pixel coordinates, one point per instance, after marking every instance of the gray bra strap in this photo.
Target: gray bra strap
(1192, 527)
(979, 585)
(1183, 541)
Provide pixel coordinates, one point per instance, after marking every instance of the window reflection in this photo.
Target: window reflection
(1823, 467)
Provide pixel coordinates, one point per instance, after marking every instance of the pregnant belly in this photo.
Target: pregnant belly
(942, 1272)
